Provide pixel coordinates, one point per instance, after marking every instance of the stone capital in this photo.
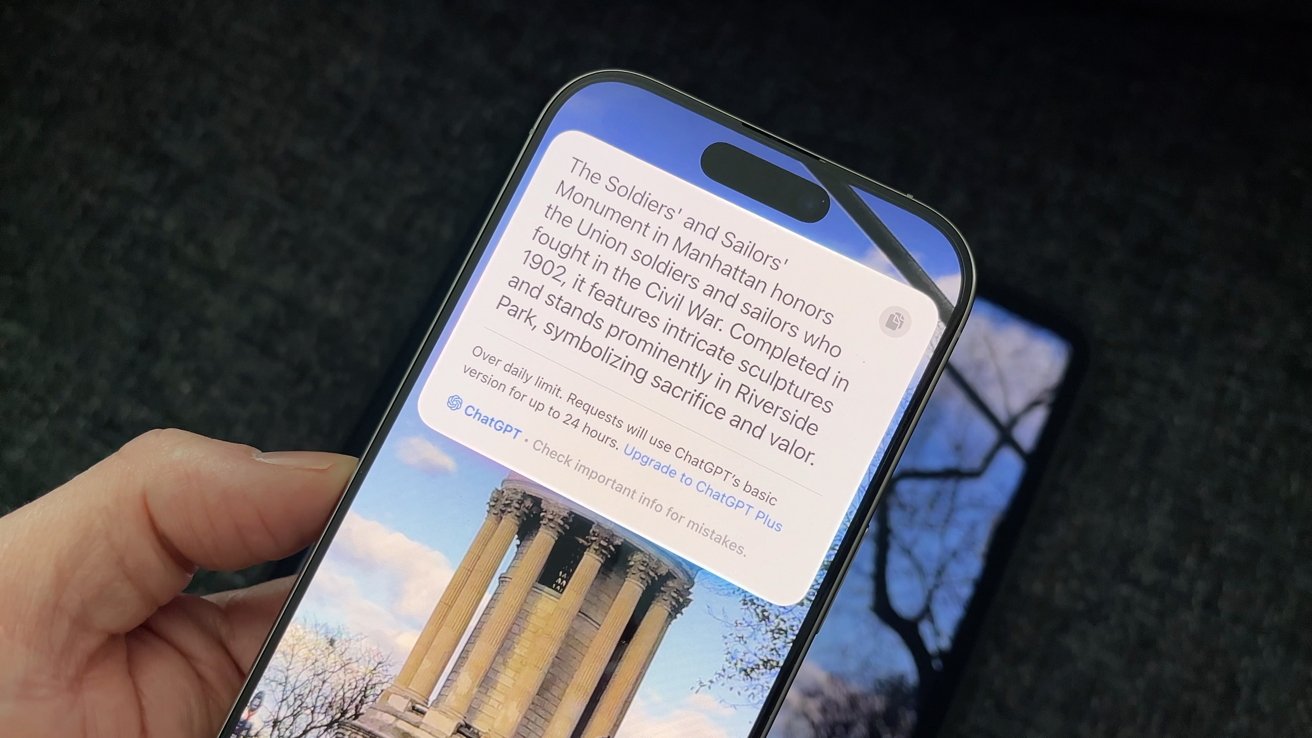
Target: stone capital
(601, 542)
(494, 502)
(514, 504)
(642, 568)
(555, 518)
(674, 596)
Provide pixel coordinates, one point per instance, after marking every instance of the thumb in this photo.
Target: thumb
(99, 555)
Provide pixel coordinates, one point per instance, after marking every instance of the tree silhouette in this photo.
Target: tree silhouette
(758, 637)
(920, 529)
(929, 536)
(320, 677)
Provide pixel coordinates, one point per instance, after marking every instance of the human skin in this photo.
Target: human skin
(96, 637)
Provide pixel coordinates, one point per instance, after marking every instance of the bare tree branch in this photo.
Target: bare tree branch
(906, 629)
(1005, 439)
(319, 678)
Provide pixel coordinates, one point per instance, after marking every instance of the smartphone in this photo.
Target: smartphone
(890, 656)
(660, 398)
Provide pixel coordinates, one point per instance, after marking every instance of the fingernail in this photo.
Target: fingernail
(297, 459)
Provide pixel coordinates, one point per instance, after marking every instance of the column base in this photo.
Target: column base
(465, 730)
(384, 721)
(443, 723)
(403, 699)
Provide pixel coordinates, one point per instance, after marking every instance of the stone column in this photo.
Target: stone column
(512, 508)
(641, 572)
(614, 702)
(599, 544)
(401, 685)
(496, 624)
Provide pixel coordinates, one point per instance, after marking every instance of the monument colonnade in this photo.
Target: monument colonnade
(542, 522)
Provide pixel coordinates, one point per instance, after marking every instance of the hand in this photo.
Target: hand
(96, 637)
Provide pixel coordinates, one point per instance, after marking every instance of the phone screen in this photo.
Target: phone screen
(899, 632)
(651, 410)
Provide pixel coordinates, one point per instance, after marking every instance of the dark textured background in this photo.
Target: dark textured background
(225, 218)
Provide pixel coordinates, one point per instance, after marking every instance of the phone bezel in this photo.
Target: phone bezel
(851, 537)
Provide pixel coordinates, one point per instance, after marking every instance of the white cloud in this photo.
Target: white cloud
(877, 260)
(949, 285)
(379, 582)
(814, 696)
(424, 455)
(695, 714)
(337, 598)
(415, 573)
